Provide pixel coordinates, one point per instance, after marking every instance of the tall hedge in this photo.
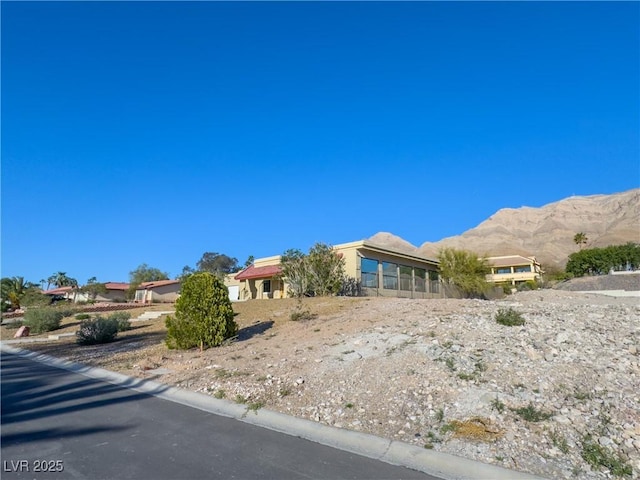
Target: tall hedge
(204, 315)
(599, 261)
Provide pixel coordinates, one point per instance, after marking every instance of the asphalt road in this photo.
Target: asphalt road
(61, 425)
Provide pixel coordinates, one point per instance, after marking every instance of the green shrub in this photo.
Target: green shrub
(528, 285)
(531, 414)
(598, 456)
(204, 315)
(82, 316)
(122, 320)
(98, 330)
(509, 317)
(43, 319)
(507, 288)
(66, 311)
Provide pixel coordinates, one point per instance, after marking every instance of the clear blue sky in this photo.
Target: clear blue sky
(152, 132)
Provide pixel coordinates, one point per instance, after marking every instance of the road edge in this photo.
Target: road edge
(439, 464)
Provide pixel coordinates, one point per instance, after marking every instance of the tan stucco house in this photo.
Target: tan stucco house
(380, 270)
(115, 292)
(160, 291)
(513, 269)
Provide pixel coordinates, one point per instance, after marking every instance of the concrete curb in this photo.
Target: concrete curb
(449, 467)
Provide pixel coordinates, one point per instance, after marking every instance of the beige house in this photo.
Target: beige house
(513, 269)
(381, 271)
(115, 292)
(160, 291)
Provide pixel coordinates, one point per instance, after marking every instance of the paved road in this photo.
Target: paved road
(96, 430)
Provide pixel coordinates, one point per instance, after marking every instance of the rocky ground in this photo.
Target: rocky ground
(558, 396)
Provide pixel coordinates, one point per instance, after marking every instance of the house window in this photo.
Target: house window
(390, 275)
(523, 269)
(434, 281)
(405, 278)
(420, 276)
(369, 272)
(266, 286)
(140, 295)
(503, 270)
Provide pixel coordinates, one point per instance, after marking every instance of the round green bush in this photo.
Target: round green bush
(204, 315)
(122, 320)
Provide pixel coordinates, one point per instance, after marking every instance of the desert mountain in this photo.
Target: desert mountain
(546, 232)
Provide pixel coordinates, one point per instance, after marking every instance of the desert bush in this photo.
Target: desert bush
(66, 311)
(42, 319)
(598, 457)
(509, 317)
(528, 285)
(531, 414)
(351, 287)
(122, 320)
(98, 330)
(82, 316)
(464, 270)
(204, 315)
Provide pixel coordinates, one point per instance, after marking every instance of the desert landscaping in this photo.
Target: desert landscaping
(557, 396)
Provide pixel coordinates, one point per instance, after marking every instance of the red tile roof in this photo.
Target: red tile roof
(57, 291)
(259, 272)
(157, 283)
(116, 286)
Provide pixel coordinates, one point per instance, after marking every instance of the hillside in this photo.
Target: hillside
(546, 232)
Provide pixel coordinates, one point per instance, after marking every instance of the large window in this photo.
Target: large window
(503, 270)
(405, 278)
(420, 277)
(434, 281)
(266, 286)
(369, 272)
(390, 275)
(523, 269)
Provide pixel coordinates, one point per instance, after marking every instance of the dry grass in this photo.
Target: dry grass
(143, 348)
(476, 428)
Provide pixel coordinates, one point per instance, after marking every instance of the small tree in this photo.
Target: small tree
(465, 270)
(204, 315)
(326, 270)
(580, 239)
(319, 273)
(143, 273)
(217, 263)
(295, 270)
(93, 288)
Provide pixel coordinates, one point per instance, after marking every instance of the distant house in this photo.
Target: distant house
(381, 271)
(513, 269)
(160, 291)
(115, 293)
(60, 293)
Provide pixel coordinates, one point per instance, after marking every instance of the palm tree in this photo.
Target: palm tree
(60, 279)
(13, 289)
(580, 239)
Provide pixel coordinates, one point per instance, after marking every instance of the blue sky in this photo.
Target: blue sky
(153, 132)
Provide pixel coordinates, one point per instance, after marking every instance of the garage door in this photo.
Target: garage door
(234, 292)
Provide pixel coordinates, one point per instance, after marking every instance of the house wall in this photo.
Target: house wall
(164, 293)
(111, 296)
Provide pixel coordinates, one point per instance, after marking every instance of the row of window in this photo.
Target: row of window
(395, 276)
(519, 269)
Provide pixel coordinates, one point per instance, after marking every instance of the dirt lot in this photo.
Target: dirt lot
(436, 373)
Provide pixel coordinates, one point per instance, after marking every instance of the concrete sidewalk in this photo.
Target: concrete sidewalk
(433, 463)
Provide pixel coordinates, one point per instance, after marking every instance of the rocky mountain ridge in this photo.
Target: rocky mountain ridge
(546, 232)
